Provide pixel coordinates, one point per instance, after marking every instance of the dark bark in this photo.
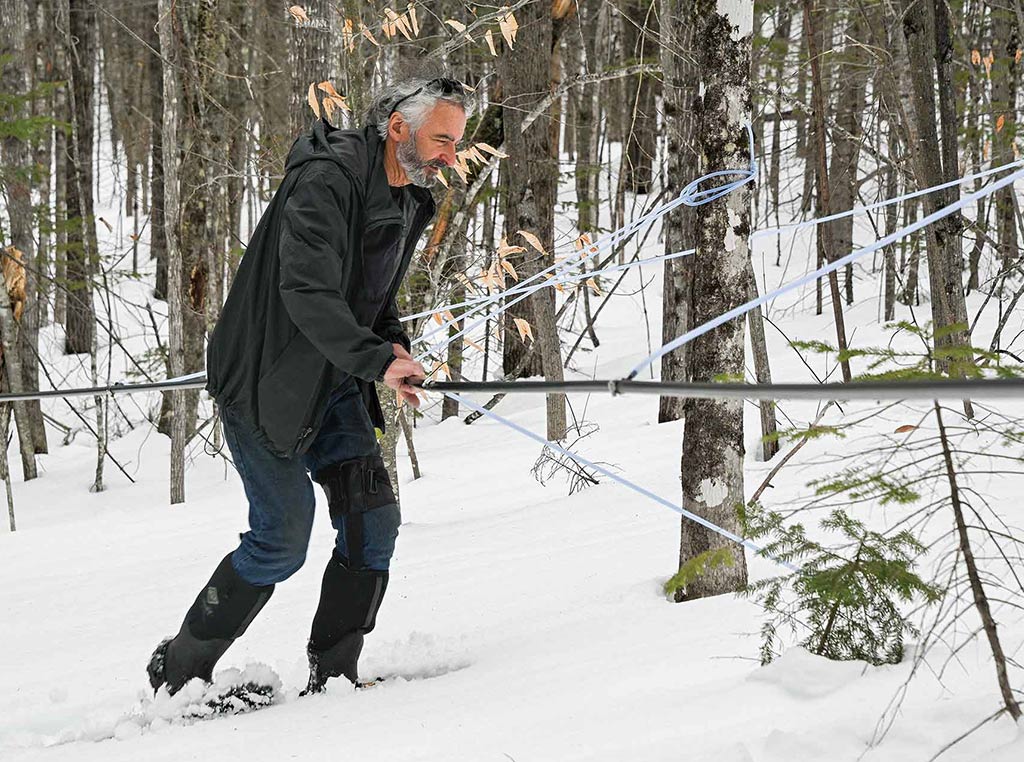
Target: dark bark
(640, 42)
(586, 98)
(847, 142)
(81, 247)
(157, 232)
(1004, 118)
(943, 252)
(310, 59)
(20, 174)
(16, 180)
(762, 370)
(531, 183)
(826, 244)
(681, 86)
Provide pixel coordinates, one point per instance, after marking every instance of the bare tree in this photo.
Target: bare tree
(681, 86)
(531, 183)
(82, 249)
(711, 471)
(170, 50)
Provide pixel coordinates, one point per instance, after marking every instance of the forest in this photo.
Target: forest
(716, 194)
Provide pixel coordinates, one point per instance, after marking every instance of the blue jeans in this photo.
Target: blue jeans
(281, 498)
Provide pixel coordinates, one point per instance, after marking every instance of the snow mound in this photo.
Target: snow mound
(802, 674)
(420, 655)
(152, 714)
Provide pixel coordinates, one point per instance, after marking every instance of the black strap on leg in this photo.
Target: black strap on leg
(354, 539)
(354, 487)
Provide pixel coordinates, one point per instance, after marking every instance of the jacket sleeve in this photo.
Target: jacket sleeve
(314, 228)
(389, 326)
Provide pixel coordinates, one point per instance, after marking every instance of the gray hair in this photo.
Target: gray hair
(415, 97)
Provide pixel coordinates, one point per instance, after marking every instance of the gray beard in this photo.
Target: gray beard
(415, 168)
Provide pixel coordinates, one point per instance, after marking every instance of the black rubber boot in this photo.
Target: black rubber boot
(349, 601)
(221, 613)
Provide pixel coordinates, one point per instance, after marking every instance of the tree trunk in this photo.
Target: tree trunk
(13, 376)
(826, 244)
(587, 109)
(311, 60)
(532, 191)
(18, 172)
(943, 250)
(762, 370)
(392, 429)
(5, 465)
(62, 164)
(204, 146)
(681, 86)
(640, 40)
(82, 248)
(456, 264)
(891, 212)
(403, 421)
(157, 227)
(711, 471)
(847, 140)
(170, 49)
(1004, 120)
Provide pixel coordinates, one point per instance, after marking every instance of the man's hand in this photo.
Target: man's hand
(402, 374)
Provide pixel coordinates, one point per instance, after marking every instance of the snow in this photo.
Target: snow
(520, 623)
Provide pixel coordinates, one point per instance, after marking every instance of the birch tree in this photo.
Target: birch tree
(711, 471)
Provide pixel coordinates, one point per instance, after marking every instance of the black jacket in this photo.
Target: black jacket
(314, 297)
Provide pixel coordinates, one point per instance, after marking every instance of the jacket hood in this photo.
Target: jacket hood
(349, 149)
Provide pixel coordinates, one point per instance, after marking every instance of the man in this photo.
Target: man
(309, 325)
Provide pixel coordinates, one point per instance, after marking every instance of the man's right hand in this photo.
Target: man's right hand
(401, 375)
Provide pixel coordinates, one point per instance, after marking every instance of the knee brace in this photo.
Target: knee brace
(354, 487)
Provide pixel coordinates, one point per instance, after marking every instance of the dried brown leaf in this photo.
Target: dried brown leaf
(532, 240)
(368, 34)
(504, 249)
(311, 99)
(509, 26)
(524, 329)
(507, 267)
(492, 151)
(412, 18)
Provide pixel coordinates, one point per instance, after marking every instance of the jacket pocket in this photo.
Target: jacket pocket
(288, 393)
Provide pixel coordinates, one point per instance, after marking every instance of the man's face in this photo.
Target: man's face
(430, 148)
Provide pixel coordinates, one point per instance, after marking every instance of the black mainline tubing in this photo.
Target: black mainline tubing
(925, 389)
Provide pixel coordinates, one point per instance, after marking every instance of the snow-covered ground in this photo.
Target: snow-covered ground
(520, 623)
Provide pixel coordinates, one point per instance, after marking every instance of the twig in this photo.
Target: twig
(966, 733)
(786, 458)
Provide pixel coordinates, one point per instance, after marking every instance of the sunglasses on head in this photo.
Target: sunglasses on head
(446, 85)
